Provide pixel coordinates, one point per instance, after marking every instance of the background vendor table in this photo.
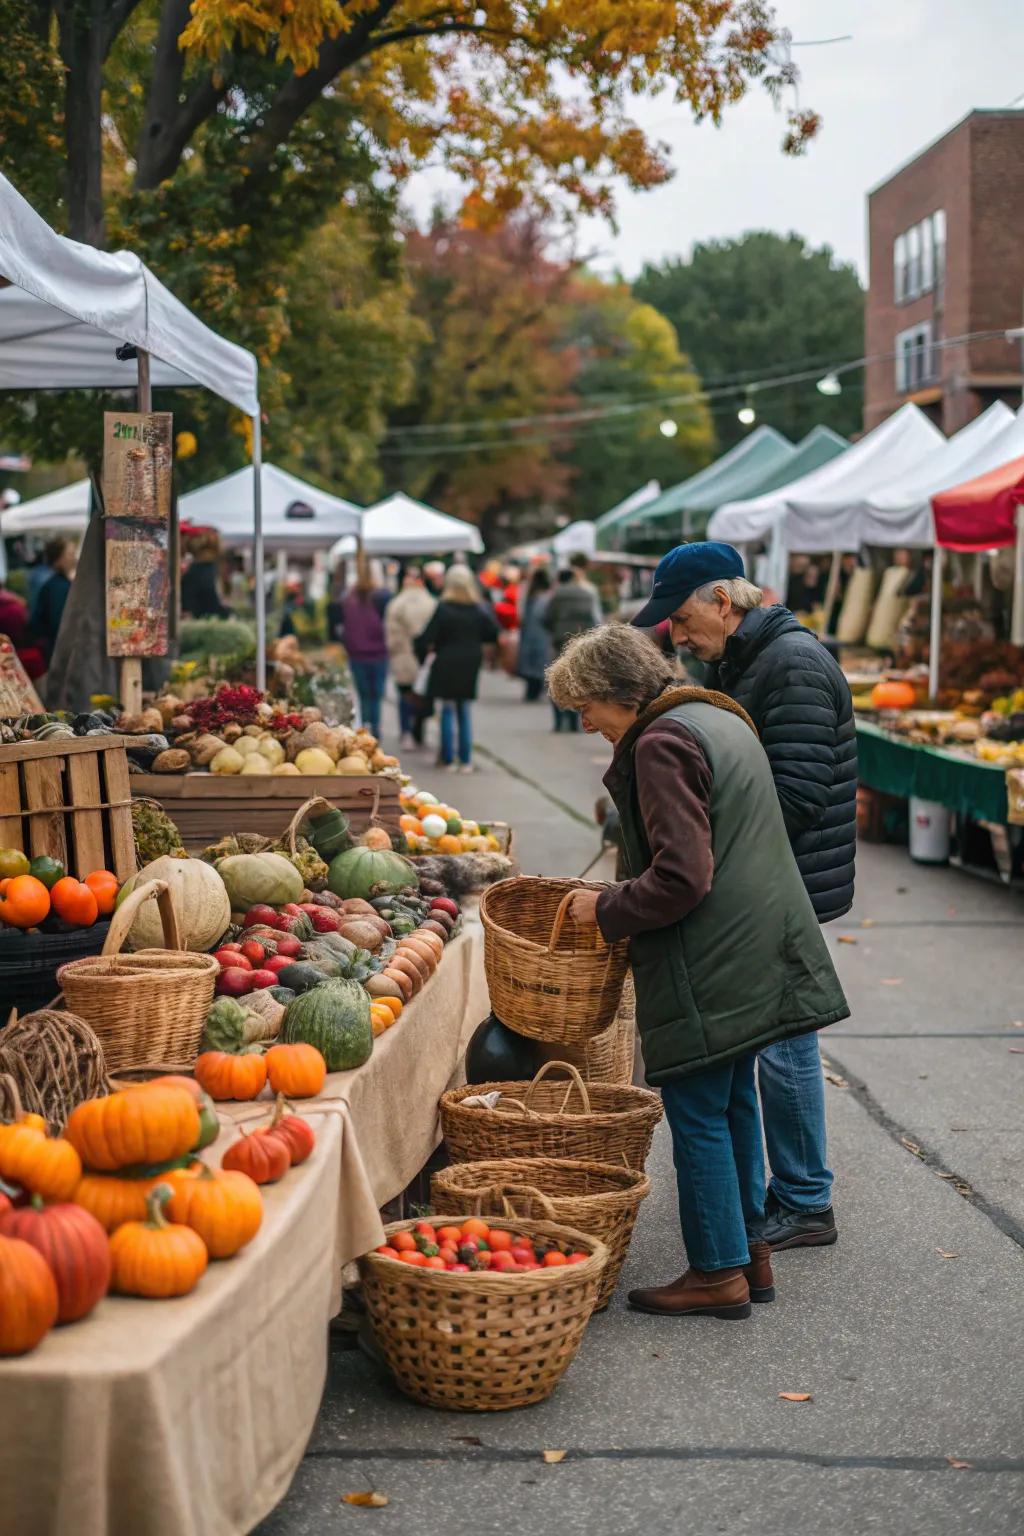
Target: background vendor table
(189, 1417)
(905, 768)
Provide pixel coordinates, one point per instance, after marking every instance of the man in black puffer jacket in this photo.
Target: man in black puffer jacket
(799, 700)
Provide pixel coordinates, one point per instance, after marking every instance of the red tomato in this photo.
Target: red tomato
(458, 1269)
(404, 1242)
(523, 1255)
(435, 1262)
(553, 1259)
(254, 952)
(388, 1252)
(449, 1235)
(483, 1259)
(502, 1262)
(499, 1240)
(577, 1258)
(449, 1253)
(415, 1257)
(235, 957)
(427, 1230)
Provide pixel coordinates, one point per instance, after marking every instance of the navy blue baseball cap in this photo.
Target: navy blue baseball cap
(681, 572)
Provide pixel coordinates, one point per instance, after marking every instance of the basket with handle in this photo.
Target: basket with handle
(597, 1198)
(549, 977)
(482, 1341)
(607, 1057)
(599, 1122)
(146, 1006)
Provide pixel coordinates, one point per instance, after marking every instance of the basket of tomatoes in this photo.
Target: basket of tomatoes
(481, 1315)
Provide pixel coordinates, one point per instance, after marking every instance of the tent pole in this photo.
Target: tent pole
(935, 639)
(831, 588)
(1017, 612)
(260, 593)
(130, 669)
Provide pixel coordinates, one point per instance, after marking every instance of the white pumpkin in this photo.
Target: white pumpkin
(200, 898)
(434, 826)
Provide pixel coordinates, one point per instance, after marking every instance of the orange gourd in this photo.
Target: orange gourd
(893, 695)
(74, 902)
(224, 1207)
(74, 1246)
(156, 1258)
(263, 1155)
(28, 1297)
(44, 1165)
(139, 1126)
(24, 901)
(298, 1071)
(227, 1075)
(296, 1133)
(113, 1200)
(104, 887)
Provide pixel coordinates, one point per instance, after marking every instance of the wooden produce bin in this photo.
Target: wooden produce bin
(207, 806)
(70, 799)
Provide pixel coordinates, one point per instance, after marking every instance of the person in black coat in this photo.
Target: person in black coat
(455, 638)
(48, 608)
(799, 701)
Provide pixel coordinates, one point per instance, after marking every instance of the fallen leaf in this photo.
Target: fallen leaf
(366, 1500)
(468, 1439)
(922, 1077)
(891, 981)
(959, 1465)
(944, 1253)
(901, 890)
(553, 1457)
(796, 1397)
(836, 1080)
(844, 938)
(868, 922)
(911, 1146)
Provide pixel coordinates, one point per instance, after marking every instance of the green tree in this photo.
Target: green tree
(747, 308)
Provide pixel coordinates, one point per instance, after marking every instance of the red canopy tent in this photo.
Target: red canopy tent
(983, 513)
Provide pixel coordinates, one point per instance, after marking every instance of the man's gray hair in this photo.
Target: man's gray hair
(741, 593)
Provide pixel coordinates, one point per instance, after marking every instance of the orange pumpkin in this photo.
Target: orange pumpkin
(24, 901)
(893, 695)
(74, 902)
(155, 1257)
(112, 1200)
(28, 1297)
(43, 1165)
(135, 1127)
(262, 1155)
(224, 1207)
(104, 887)
(225, 1075)
(298, 1071)
(74, 1246)
(296, 1133)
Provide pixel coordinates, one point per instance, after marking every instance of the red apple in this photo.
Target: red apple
(263, 978)
(234, 981)
(227, 958)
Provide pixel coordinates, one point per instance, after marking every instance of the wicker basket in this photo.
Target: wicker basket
(482, 1342)
(596, 1198)
(599, 1122)
(607, 1057)
(147, 1006)
(543, 984)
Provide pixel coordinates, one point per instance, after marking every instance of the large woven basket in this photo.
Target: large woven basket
(596, 1198)
(482, 1342)
(596, 1122)
(548, 977)
(607, 1057)
(147, 1006)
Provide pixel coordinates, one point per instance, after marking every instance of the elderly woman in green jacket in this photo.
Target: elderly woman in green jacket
(726, 952)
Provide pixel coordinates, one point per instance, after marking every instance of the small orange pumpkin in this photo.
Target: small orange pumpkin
(227, 1075)
(113, 1200)
(298, 1071)
(155, 1257)
(262, 1155)
(224, 1207)
(296, 1133)
(893, 695)
(139, 1126)
(28, 1297)
(43, 1165)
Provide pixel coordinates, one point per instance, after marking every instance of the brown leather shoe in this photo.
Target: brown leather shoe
(759, 1272)
(717, 1293)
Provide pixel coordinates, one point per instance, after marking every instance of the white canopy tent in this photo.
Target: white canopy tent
(63, 511)
(579, 538)
(400, 526)
(67, 310)
(296, 516)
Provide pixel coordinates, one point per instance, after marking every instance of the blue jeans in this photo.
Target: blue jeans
(409, 715)
(716, 1145)
(792, 1088)
(452, 712)
(369, 678)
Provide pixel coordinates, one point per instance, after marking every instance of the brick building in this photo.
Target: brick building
(946, 258)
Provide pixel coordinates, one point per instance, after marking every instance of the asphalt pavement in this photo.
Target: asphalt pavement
(906, 1334)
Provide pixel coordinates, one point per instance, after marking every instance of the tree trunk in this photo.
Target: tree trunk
(82, 50)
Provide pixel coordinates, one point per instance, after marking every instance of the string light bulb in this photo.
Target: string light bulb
(668, 427)
(830, 385)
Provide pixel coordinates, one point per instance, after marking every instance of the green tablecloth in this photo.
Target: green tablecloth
(904, 768)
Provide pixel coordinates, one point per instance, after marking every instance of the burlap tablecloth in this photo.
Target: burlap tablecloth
(189, 1417)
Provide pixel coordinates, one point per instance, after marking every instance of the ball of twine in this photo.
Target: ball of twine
(49, 1062)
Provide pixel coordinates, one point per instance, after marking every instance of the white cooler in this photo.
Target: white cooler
(929, 831)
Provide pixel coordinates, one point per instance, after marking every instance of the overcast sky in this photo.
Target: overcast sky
(910, 71)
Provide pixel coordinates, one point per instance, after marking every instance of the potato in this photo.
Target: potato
(174, 760)
(363, 933)
(204, 749)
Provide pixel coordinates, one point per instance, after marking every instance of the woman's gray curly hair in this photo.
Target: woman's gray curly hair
(614, 663)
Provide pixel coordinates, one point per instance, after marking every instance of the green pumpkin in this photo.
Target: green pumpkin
(253, 879)
(329, 834)
(335, 1017)
(48, 870)
(368, 872)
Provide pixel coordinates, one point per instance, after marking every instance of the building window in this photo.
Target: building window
(915, 358)
(919, 258)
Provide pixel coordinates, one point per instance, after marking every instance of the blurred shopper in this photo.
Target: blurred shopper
(48, 609)
(200, 585)
(433, 577)
(14, 624)
(574, 607)
(405, 617)
(724, 948)
(800, 704)
(455, 638)
(534, 640)
(362, 634)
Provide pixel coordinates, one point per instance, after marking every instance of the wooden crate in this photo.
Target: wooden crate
(207, 806)
(70, 799)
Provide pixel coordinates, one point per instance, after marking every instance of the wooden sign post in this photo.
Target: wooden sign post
(137, 461)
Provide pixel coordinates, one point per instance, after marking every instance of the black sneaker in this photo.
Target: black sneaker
(784, 1228)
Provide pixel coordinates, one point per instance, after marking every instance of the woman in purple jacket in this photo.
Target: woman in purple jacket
(361, 631)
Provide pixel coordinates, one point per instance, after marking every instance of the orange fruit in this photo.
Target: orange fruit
(499, 1240)
(449, 1235)
(553, 1259)
(474, 1227)
(404, 1242)
(435, 1261)
(411, 824)
(104, 887)
(412, 1256)
(449, 844)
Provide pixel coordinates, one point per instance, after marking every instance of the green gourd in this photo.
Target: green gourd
(253, 879)
(368, 872)
(335, 1017)
(329, 834)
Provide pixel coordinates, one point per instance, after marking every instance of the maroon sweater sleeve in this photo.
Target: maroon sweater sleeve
(673, 780)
